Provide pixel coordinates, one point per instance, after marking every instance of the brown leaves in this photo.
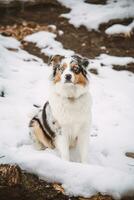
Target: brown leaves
(19, 31)
(97, 197)
(10, 174)
(58, 188)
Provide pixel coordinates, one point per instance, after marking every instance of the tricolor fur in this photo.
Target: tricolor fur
(65, 120)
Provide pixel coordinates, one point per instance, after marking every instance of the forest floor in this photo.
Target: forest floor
(84, 42)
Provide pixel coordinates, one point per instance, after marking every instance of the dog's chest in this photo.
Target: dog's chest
(69, 111)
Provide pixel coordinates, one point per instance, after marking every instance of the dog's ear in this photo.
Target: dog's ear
(82, 61)
(85, 62)
(55, 60)
(77, 58)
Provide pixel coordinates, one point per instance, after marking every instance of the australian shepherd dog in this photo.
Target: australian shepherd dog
(65, 119)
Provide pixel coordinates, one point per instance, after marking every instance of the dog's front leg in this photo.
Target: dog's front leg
(61, 143)
(83, 142)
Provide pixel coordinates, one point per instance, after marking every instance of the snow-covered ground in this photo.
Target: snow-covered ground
(24, 79)
(91, 15)
(49, 45)
(120, 29)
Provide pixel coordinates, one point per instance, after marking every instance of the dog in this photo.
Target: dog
(65, 119)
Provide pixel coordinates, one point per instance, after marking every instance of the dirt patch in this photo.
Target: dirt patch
(94, 71)
(21, 30)
(96, 1)
(82, 41)
(22, 4)
(33, 49)
(128, 67)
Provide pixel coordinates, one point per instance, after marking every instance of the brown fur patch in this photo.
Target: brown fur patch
(80, 79)
(64, 65)
(57, 77)
(55, 59)
(40, 136)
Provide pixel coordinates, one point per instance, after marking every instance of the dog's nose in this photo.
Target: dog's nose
(68, 77)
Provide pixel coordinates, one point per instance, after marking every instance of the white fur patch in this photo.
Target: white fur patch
(74, 117)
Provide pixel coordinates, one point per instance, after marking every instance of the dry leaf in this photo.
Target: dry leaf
(59, 188)
(19, 31)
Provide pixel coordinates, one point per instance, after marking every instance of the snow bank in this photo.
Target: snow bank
(19, 71)
(77, 179)
(24, 79)
(114, 60)
(46, 41)
(118, 29)
(92, 15)
(9, 42)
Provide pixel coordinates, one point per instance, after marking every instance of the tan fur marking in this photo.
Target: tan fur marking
(57, 77)
(64, 65)
(40, 135)
(80, 79)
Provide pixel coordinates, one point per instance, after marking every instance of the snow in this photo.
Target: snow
(114, 60)
(92, 15)
(49, 45)
(118, 28)
(25, 80)
(60, 32)
(9, 42)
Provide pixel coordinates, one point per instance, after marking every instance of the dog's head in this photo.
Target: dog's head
(69, 70)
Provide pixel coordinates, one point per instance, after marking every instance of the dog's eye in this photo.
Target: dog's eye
(61, 69)
(76, 69)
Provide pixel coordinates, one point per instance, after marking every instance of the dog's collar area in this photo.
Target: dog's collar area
(72, 99)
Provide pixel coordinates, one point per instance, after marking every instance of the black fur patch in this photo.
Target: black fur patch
(45, 123)
(55, 69)
(2, 93)
(82, 63)
(41, 127)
